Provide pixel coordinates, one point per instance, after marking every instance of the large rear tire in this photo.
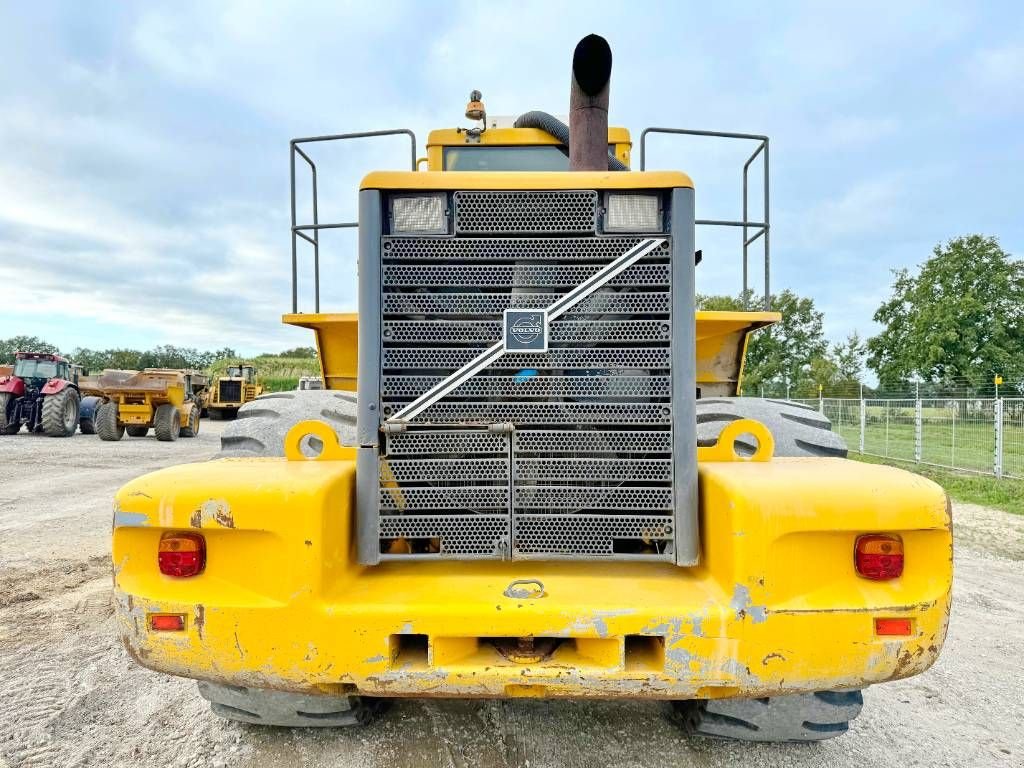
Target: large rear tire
(263, 423)
(7, 424)
(289, 710)
(167, 423)
(798, 429)
(107, 425)
(60, 413)
(803, 717)
(193, 424)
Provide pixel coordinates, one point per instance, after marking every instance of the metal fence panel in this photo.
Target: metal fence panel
(972, 434)
(1013, 437)
(845, 417)
(889, 429)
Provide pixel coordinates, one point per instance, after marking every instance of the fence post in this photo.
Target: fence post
(997, 464)
(917, 430)
(863, 419)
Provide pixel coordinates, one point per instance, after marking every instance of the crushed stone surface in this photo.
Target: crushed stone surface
(72, 697)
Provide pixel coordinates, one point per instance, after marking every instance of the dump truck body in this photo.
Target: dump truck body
(161, 399)
(528, 503)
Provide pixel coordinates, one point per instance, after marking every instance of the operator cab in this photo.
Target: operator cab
(246, 372)
(504, 144)
(40, 367)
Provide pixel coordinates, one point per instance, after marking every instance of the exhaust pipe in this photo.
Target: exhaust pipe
(588, 105)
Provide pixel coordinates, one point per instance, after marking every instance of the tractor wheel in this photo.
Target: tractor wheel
(107, 425)
(263, 423)
(289, 710)
(60, 413)
(167, 423)
(193, 424)
(7, 425)
(799, 430)
(802, 717)
(136, 431)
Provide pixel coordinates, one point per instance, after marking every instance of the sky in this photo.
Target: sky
(144, 146)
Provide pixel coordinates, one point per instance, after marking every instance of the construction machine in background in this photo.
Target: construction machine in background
(240, 385)
(160, 399)
(543, 484)
(40, 393)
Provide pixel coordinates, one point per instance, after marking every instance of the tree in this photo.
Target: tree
(848, 357)
(23, 344)
(303, 352)
(782, 352)
(961, 316)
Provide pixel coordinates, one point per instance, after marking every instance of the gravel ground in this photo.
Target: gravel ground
(69, 696)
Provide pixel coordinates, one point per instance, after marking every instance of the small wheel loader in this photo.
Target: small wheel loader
(530, 473)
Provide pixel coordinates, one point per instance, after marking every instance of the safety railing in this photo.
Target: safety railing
(752, 230)
(310, 231)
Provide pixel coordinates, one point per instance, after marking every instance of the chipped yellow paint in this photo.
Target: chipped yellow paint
(774, 606)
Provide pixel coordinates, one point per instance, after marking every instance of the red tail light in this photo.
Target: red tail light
(879, 557)
(181, 554)
(893, 627)
(167, 622)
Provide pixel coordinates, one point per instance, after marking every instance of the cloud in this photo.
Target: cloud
(144, 184)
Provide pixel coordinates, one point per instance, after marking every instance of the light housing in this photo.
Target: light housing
(181, 555)
(879, 557)
(167, 622)
(419, 214)
(894, 627)
(630, 212)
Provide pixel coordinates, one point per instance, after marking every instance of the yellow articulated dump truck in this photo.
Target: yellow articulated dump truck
(161, 399)
(531, 475)
(230, 392)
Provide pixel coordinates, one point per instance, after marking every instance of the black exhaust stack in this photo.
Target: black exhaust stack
(588, 105)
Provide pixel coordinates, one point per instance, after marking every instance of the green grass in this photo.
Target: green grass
(1005, 494)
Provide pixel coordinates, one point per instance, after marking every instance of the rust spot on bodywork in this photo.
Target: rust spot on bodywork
(196, 521)
(200, 619)
(771, 656)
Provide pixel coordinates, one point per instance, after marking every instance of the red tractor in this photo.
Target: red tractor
(40, 394)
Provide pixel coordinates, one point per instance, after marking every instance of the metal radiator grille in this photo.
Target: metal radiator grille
(523, 213)
(556, 455)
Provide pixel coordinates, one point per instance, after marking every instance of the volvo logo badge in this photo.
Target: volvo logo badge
(526, 330)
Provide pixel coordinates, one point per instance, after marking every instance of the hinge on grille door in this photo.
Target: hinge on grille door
(505, 428)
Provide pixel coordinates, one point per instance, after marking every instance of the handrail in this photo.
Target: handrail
(300, 230)
(760, 228)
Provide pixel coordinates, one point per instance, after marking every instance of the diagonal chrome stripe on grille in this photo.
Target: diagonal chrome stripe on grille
(557, 309)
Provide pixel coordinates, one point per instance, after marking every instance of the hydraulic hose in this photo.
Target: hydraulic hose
(555, 127)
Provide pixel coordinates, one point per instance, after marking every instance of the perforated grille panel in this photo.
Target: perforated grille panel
(522, 213)
(558, 455)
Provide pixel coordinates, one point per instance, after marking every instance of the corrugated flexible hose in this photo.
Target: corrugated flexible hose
(552, 125)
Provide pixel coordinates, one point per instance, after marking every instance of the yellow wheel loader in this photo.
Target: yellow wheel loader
(530, 474)
(160, 399)
(230, 392)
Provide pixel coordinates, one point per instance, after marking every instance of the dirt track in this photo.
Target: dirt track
(69, 696)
